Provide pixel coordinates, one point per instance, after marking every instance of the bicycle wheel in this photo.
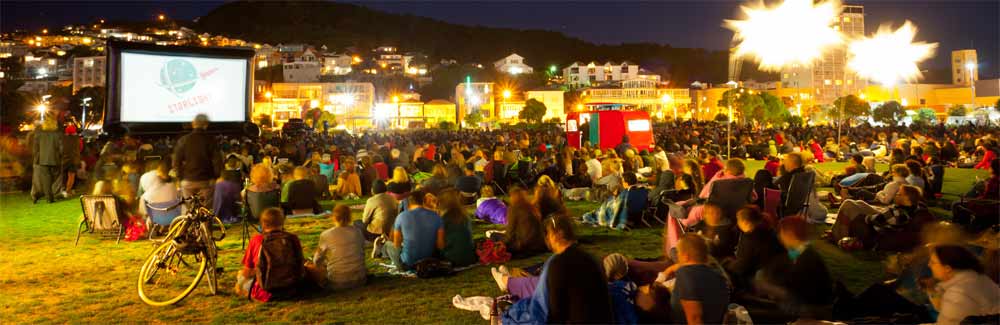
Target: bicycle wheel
(212, 257)
(168, 276)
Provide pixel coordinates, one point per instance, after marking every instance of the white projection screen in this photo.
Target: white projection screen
(166, 88)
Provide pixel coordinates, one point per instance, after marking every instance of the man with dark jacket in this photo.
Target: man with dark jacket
(757, 246)
(47, 150)
(198, 161)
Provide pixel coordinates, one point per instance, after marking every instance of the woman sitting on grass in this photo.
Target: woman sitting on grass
(340, 255)
(399, 185)
(458, 246)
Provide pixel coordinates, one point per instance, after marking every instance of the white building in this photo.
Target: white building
(301, 71)
(88, 72)
(828, 76)
(581, 75)
(961, 61)
(512, 64)
(336, 64)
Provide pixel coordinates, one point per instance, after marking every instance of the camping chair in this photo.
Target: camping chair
(772, 201)
(524, 173)
(796, 201)
(935, 181)
(102, 214)
(500, 178)
(256, 202)
(161, 214)
(731, 195)
(637, 199)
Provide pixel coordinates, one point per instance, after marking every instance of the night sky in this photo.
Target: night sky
(953, 24)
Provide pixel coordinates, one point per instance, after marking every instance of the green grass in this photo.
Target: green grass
(46, 279)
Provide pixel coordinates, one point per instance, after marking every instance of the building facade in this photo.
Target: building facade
(827, 76)
(301, 71)
(88, 72)
(478, 97)
(512, 64)
(582, 75)
(336, 64)
(554, 100)
(641, 94)
(964, 67)
(351, 102)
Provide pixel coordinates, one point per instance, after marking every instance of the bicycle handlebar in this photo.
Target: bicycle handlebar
(194, 199)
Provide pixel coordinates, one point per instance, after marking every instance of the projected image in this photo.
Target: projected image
(167, 89)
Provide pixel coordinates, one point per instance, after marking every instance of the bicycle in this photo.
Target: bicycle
(167, 268)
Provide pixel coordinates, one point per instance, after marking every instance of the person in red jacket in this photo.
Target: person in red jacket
(988, 156)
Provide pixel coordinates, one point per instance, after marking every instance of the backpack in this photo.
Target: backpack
(280, 264)
(432, 267)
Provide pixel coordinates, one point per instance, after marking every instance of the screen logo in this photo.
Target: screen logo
(178, 76)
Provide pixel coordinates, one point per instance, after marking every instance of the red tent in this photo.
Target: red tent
(605, 128)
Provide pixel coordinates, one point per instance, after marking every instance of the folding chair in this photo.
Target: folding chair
(101, 214)
(636, 203)
(500, 178)
(256, 202)
(161, 215)
(797, 199)
(731, 195)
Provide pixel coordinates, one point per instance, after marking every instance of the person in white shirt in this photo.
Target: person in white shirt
(594, 166)
(962, 289)
(157, 186)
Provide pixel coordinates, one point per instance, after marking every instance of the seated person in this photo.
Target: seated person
(379, 214)
(907, 207)
(489, 208)
(758, 245)
(572, 287)
(733, 170)
(340, 255)
(437, 181)
(348, 181)
(721, 237)
(399, 186)
(700, 294)
(523, 234)
(284, 277)
(962, 290)
(416, 234)
(299, 196)
(855, 165)
(621, 289)
(226, 197)
(614, 211)
(547, 199)
(458, 246)
(800, 283)
(157, 186)
(883, 197)
(579, 179)
(469, 182)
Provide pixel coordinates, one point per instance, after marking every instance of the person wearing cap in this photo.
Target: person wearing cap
(198, 161)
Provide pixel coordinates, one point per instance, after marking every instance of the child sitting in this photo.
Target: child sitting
(621, 290)
(489, 208)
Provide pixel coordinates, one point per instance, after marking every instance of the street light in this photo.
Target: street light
(83, 118)
(729, 124)
(41, 111)
(399, 113)
(972, 83)
(666, 99)
(270, 105)
(161, 17)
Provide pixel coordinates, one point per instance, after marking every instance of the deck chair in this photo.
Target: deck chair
(256, 202)
(161, 215)
(731, 195)
(500, 181)
(796, 201)
(101, 214)
(772, 201)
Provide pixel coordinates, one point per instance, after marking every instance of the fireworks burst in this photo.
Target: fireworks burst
(889, 56)
(795, 32)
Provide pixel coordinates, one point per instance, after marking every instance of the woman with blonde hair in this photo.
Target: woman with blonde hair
(547, 199)
(399, 186)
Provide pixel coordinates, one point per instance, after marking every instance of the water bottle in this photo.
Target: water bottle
(494, 313)
(740, 315)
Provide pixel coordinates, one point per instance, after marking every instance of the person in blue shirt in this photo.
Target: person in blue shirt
(416, 234)
(700, 294)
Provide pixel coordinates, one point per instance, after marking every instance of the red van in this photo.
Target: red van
(605, 128)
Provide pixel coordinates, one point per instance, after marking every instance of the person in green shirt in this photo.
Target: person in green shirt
(458, 247)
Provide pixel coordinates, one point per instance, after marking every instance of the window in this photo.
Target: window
(847, 19)
(838, 82)
(638, 125)
(571, 126)
(786, 76)
(826, 82)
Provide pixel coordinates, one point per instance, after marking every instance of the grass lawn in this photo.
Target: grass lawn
(45, 279)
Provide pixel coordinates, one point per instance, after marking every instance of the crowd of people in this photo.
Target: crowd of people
(417, 185)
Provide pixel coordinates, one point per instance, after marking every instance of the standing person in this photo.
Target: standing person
(197, 161)
(47, 150)
(71, 158)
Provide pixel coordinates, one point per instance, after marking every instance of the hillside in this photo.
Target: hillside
(339, 25)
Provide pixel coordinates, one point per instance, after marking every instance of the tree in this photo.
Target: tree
(925, 116)
(775, 112)
(533, 111)
(446, 125)
(888, 113)
(473, 119)
(997, 105)
(95, 107)
(264, 120)
(795, 121)
(15, 107)
(957, 110)
(721, 118)
(852, 107)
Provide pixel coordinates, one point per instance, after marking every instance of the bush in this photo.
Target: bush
(721, 118)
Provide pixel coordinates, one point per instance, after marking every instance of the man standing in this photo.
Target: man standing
(197, 161)
(47, 149)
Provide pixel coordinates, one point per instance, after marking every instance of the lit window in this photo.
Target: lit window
(826, 82)
(839, 82)
(786, 76)
(847, 19)
(638, 125)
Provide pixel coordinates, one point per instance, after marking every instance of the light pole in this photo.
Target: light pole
(506, 95)
(729, 122)
(399, 113)
(972, 84)
(83, 117)
(42, 107)
(270, 105)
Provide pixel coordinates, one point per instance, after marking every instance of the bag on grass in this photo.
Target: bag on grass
(136, 229)
(280, 266)
(492, 252)
(431, 268)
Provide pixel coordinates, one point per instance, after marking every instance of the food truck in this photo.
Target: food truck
(604, 124)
